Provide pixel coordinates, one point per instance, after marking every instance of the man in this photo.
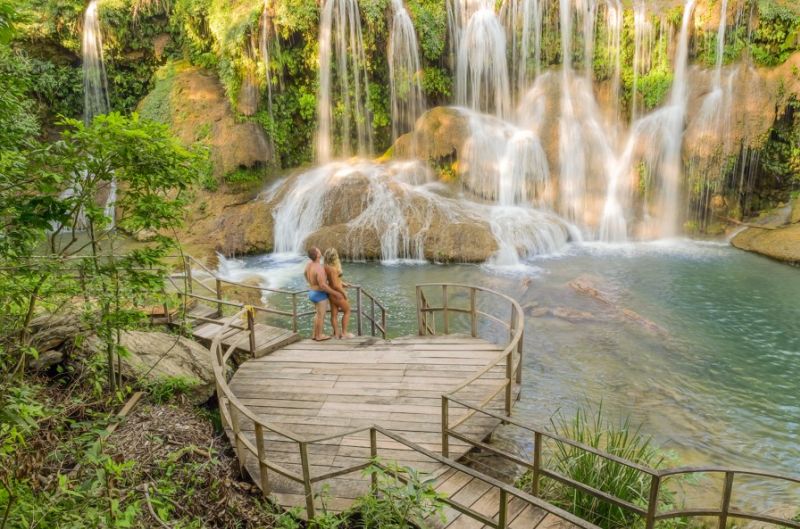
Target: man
(319, 292)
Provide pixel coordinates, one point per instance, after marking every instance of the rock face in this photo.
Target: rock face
(192, 101)
(158, 356)
(228, 219)
(781, 243)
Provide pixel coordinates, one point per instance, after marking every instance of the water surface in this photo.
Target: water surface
(697, 342)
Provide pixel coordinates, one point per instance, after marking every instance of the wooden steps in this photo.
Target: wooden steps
(267, 338)
(479, 496)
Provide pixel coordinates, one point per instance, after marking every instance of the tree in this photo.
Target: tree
(153, 172)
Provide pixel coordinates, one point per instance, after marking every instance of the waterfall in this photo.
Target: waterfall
(95, 84)
(669, 201)
(523, 20)
(571, 155)
(503, 163)
(395, 207)
(482, 81)
(340, 38)
(407, 99)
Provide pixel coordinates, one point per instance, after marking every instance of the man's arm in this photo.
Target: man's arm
(322, 281)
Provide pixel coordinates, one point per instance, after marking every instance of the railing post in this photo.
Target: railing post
(219, 296)
(446, 324)
(262, 457)
(294, 312)
(652, 502)
(445, 426)
(421, 321)
(537, 463)
(307, 480)
(726, 500)
(502, 517)
(359, 323)
(373, 454)
(383, 323)
(473, 314)
(251, 329)
(241, 454)
(519, 354)
(188, 269)
(372, 314)
(509, 380)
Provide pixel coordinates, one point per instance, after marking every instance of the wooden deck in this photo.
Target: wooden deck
(318, 389)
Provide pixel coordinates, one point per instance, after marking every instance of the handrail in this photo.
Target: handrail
(513, 347)
(376, 317)
(650, 511)
(232, 410)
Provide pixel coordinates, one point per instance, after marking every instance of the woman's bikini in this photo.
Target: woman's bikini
(315, 295)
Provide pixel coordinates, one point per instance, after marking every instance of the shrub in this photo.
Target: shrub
(620, 439)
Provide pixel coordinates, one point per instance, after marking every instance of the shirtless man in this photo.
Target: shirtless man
(318, 293)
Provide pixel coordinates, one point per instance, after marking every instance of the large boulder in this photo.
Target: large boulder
(158, 356)
(438, 133)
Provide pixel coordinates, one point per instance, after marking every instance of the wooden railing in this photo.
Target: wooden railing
(235, 414)
(649, 512)
(480, 322)
(194, 277)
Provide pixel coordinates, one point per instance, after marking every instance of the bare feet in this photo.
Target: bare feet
(348, 335)
(322, 338)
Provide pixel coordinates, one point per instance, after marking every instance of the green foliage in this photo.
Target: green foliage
(404, 498)
(245, 176)
(620, 439)
(430, 21)
(157, 105)
(780, 158)
(163, 390)
(654, 86)
(20, 413)
(59, 88)
(777, 34)
(436, 83)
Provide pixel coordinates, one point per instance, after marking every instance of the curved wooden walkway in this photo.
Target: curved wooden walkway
(321, 389)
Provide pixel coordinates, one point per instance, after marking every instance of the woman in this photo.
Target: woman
(333, 270)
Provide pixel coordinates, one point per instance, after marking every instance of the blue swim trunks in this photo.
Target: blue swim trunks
(315, 296)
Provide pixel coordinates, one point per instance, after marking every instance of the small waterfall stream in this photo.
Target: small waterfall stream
(407, 99)
(482, 81)
(341, 54)
(95, 83)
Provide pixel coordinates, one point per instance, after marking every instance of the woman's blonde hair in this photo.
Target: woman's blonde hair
(332, 259)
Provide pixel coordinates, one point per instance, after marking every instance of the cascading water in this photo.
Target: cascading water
(482, 81)
(95, 103)
(523, 20)
(572, 159)
(264, 41)
(407, 99)
(341, 42)
(95, 83)
(565, 148)
(674, 115)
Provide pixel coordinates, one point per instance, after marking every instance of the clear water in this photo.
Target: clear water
(720, 385)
